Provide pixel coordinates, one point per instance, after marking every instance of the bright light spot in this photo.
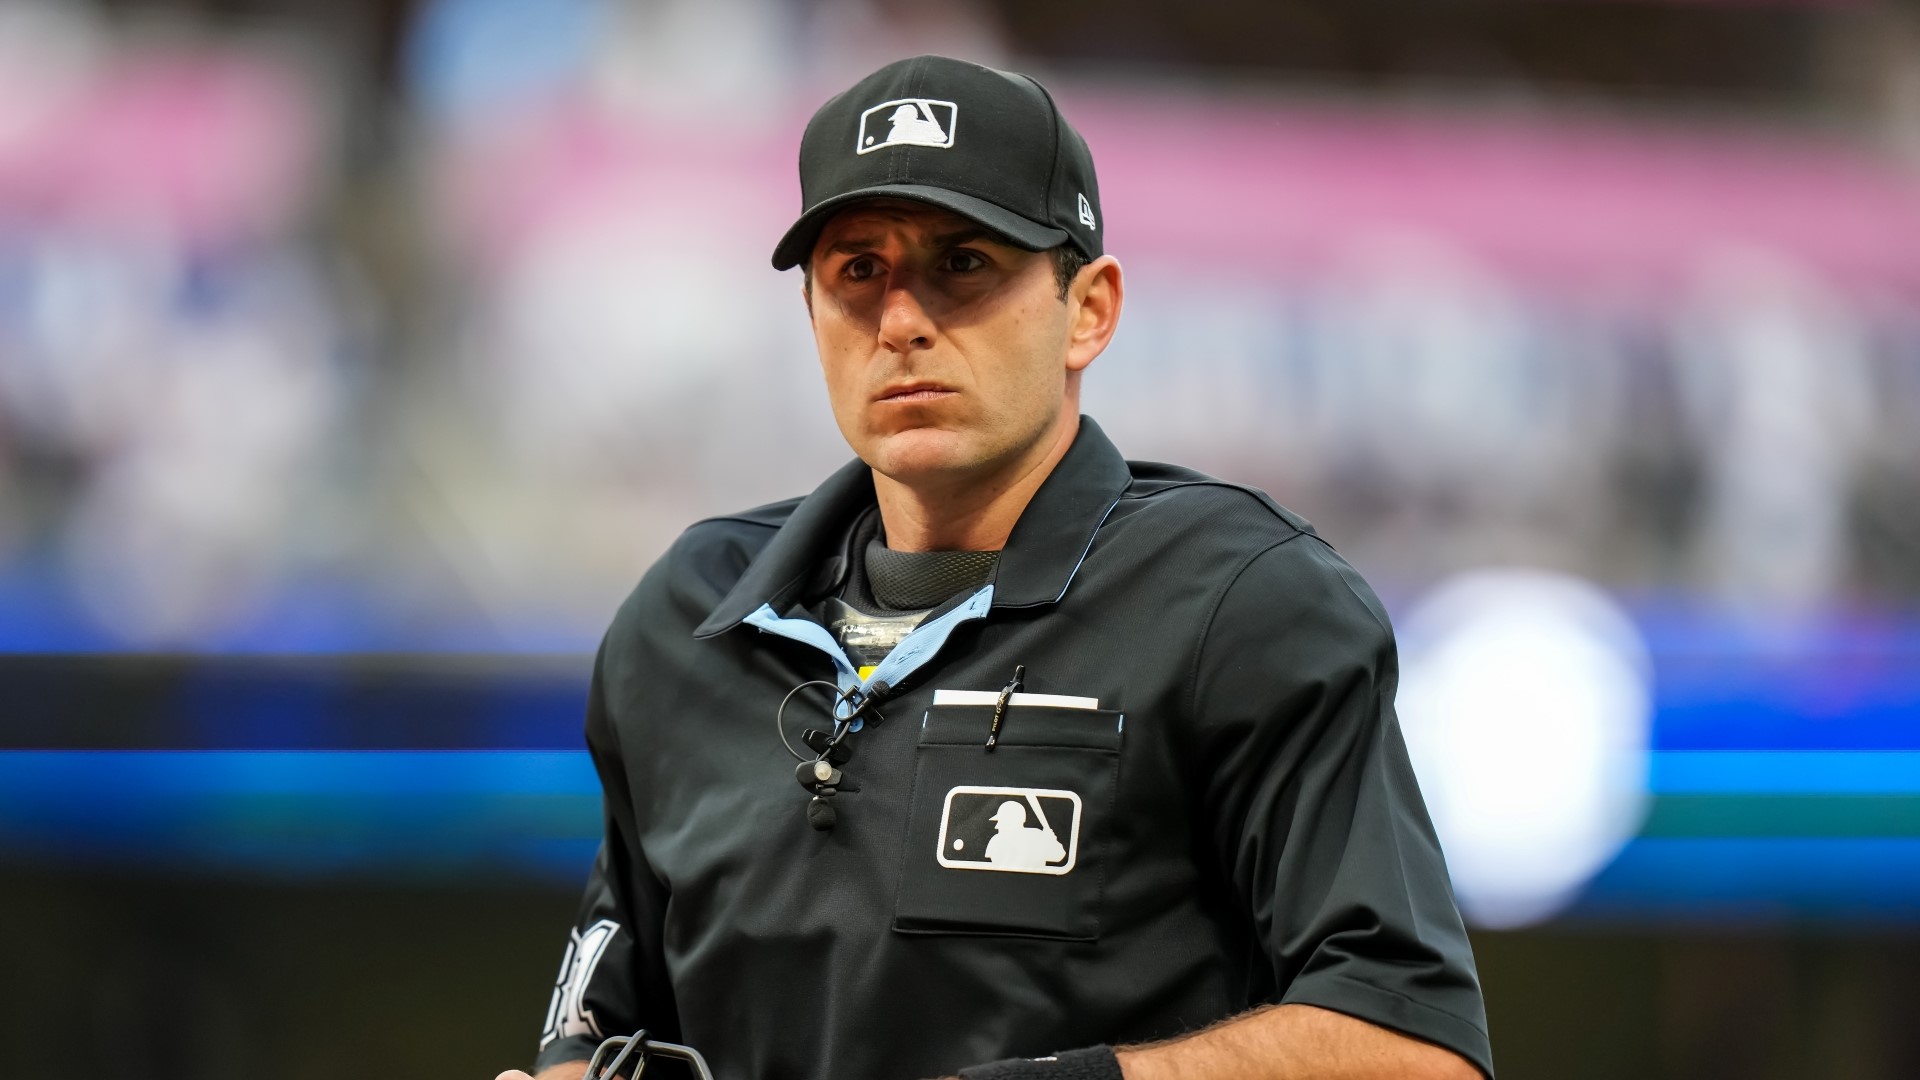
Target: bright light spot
(1526, 700)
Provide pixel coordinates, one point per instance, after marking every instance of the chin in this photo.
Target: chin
(924, 453)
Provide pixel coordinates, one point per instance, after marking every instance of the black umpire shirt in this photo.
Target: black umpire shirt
(1199, 802)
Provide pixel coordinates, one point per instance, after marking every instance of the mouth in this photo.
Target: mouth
(914, 394)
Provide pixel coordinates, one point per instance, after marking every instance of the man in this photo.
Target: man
(991, 608)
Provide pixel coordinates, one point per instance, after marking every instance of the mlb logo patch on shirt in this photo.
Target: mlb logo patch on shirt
(1010, 829)
(907, 122)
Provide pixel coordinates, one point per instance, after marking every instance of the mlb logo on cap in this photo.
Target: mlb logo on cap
(1023, 172)
(907, 122)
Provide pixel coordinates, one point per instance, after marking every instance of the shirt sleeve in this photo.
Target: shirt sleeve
(611, 980)
(1313, 807)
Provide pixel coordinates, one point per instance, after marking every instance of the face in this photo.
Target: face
(949, 356)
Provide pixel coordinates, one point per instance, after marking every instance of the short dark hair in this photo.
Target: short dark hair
(1068, 261)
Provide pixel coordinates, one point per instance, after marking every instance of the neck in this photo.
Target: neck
(974, 513)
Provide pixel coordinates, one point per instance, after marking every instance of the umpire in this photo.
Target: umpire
(1161, 698)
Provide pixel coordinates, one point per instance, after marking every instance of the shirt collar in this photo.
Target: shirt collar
(1046, 547)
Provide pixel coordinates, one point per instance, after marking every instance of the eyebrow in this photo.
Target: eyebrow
(963, 236)
(860, 244)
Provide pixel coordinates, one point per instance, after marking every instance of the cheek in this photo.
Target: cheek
(1041, 348)
(832, 344)
(842, 368)
(838, 369)
(842, 343)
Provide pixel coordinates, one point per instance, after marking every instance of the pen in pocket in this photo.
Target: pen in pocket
(1000, 705)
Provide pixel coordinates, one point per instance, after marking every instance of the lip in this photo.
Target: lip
(913, 393)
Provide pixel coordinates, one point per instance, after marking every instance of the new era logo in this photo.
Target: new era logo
(1013, 830)
(907, 122)
(1086, 211)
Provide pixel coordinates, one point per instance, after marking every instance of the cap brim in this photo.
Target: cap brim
(797, 246)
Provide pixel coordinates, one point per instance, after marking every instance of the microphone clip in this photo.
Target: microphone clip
(822, 776)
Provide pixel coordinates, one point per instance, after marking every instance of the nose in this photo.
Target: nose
(904, 324)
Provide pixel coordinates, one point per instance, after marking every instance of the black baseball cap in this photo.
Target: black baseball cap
(988, 145)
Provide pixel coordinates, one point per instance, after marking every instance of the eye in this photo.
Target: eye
(963, 260)
(858, 268)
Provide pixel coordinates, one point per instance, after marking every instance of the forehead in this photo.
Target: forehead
(877, 217)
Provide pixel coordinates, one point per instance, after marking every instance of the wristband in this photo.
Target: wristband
(1092, 1063)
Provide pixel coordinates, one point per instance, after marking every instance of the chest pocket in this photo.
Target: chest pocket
(1012, 841)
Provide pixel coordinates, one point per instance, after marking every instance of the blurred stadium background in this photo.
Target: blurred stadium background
(355, 357)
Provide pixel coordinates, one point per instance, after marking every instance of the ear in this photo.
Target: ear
(806, 296)
(1093, 302)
